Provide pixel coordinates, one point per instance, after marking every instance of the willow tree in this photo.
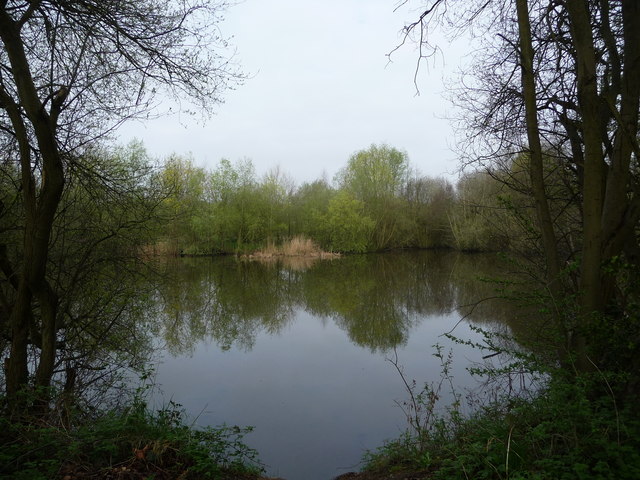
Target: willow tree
(70, 72)
(560, 79)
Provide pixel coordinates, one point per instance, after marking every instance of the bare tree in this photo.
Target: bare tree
(558, 79)
(70, 72)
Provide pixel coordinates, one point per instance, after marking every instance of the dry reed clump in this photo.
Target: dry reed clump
(298, 246)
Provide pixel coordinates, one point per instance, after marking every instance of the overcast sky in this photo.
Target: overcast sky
(322, 88)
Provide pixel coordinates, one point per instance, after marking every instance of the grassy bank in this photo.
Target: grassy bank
(131, 443)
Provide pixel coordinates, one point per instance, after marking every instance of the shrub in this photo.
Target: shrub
(154, 444)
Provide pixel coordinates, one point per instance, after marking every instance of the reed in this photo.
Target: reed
(298, 246)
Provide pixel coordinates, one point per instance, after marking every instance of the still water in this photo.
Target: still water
(300, 350)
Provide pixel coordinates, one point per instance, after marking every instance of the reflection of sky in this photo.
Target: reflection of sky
(317, 400)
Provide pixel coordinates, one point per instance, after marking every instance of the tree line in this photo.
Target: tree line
(377, 201)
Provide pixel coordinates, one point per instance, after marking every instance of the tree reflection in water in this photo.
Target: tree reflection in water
(376, 299)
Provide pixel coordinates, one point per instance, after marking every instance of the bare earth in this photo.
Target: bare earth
(404, 475)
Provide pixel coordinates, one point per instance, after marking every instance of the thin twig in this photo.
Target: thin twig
(465, 316)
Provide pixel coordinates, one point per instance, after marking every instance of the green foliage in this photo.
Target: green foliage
(309, 204)
(375, 174)
(232, 193)
(226, 210)
(134, 439)
(377, 204)
(346, 226)
(185, 207)
(376, 177)
(574, 427)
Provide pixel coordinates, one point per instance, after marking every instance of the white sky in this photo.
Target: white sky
(321, 89)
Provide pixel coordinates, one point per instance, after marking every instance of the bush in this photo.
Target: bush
(575, 427)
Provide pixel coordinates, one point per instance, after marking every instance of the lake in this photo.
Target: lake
(300, 349)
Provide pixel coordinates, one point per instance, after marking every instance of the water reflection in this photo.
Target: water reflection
(300, 349)
(221, 300)
(374, 299)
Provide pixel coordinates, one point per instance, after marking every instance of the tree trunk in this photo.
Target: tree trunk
(594, 166)
(620, 215)
(40, 213)
(536, 174)
(592, 285)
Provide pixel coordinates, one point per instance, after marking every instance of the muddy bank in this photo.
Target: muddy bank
(386, 475)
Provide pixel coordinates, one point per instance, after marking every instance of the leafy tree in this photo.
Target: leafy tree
(276, 190)
(310, 203)
(346, 226)
(376, 177)
(188, 217)
(231, 190)
(72, 71)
